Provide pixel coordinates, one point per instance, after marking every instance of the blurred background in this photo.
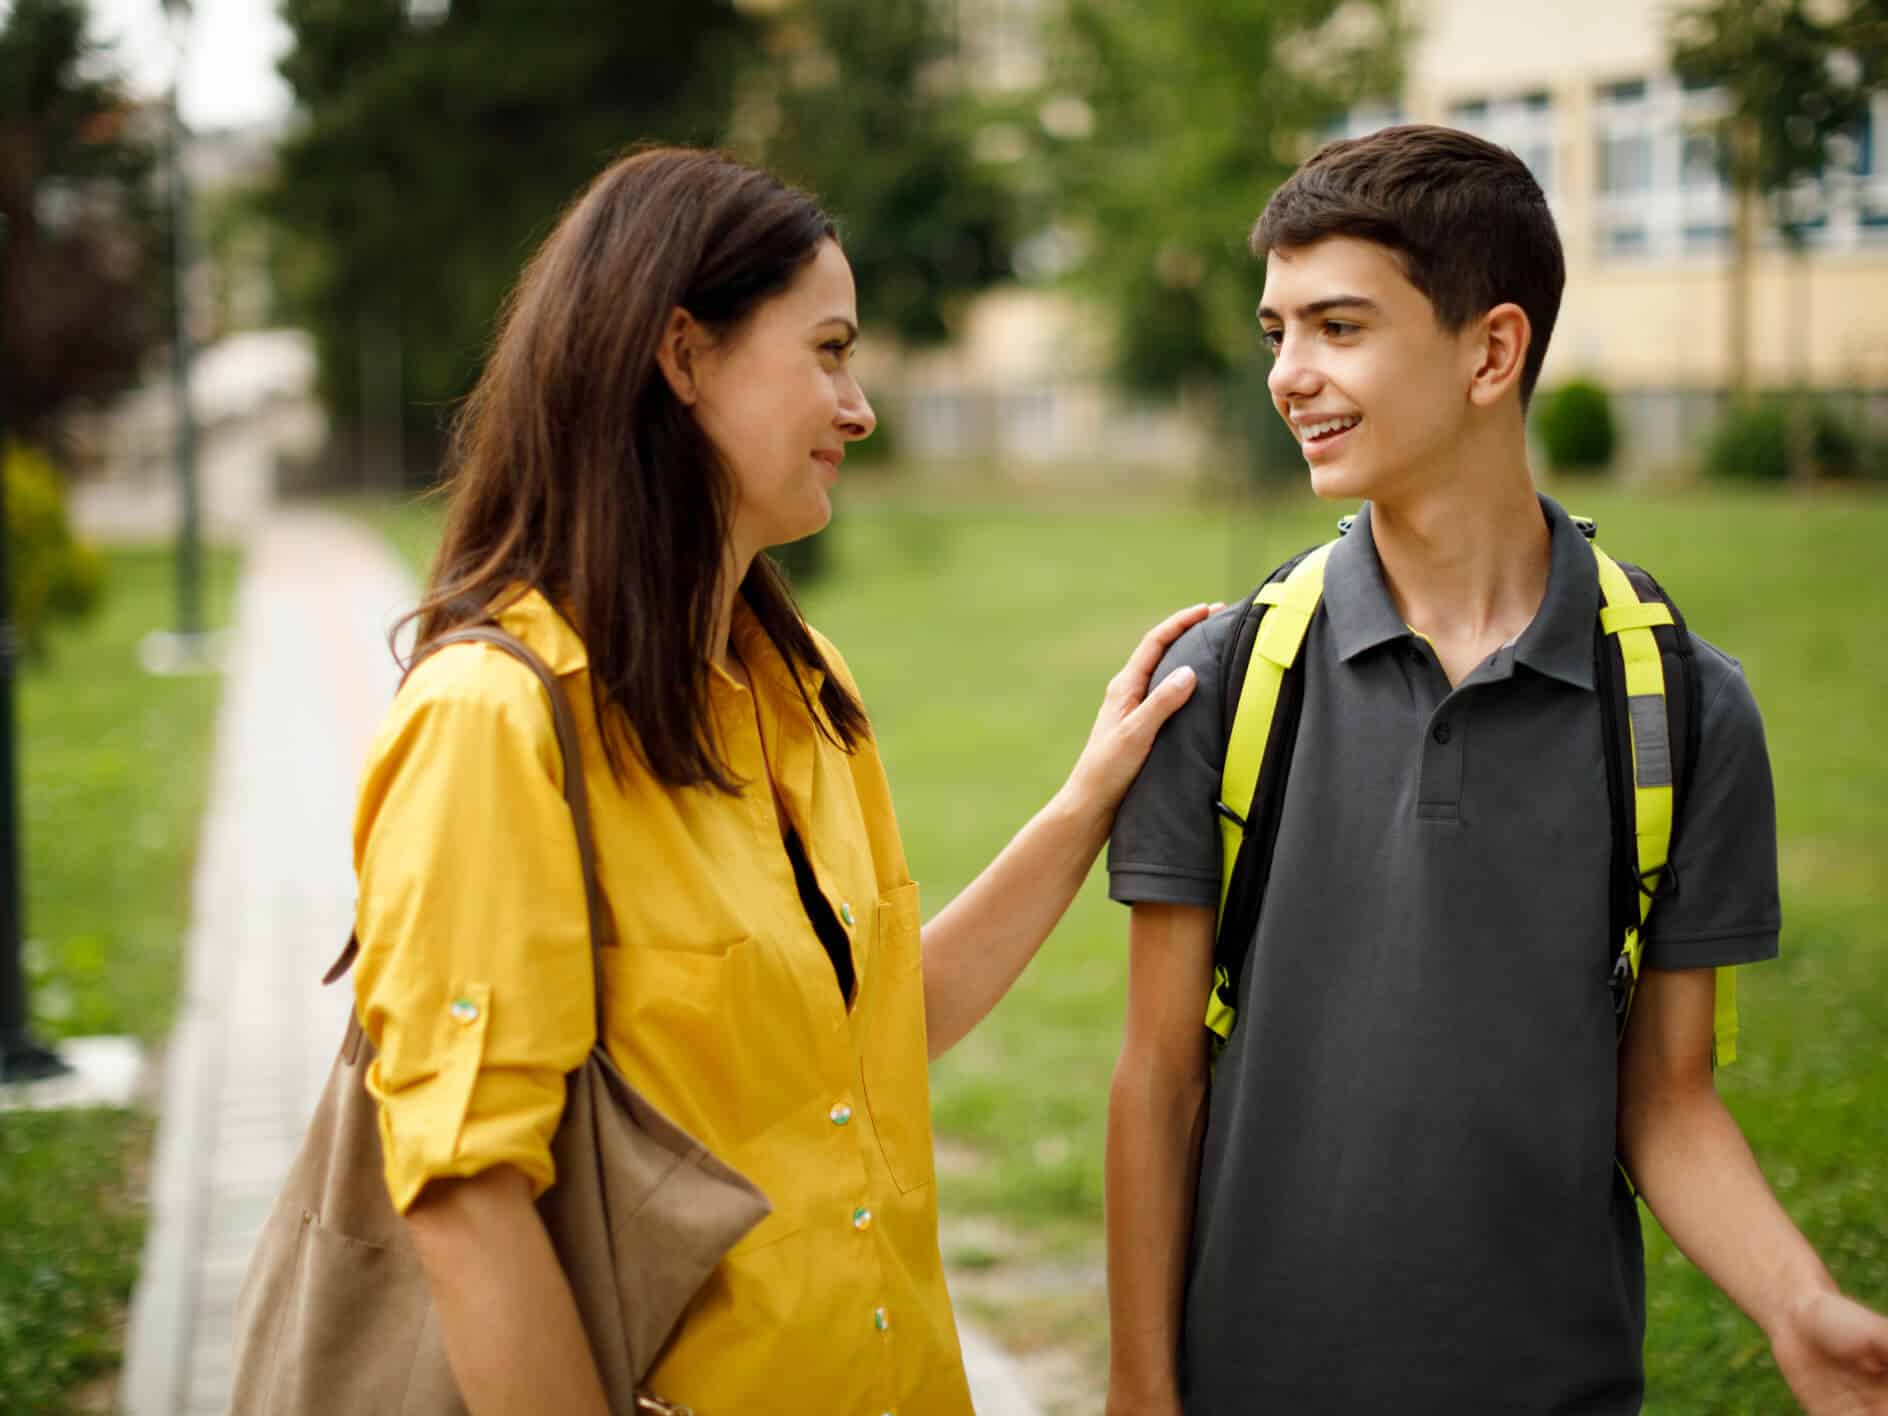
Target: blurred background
(250, 255)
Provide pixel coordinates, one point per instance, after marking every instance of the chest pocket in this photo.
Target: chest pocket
(895, 1054)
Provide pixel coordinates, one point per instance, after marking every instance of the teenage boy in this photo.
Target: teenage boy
(1404, 1195)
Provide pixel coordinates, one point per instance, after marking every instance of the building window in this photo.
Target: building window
(1871, 170)
(1660, 193)
(1522, 123)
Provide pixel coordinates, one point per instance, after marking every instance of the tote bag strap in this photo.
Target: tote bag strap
(574, 794)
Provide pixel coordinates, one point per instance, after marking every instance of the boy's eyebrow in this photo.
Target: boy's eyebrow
(1329, 303)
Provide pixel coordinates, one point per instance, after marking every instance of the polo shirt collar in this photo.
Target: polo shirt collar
(1356, 597)
(530, 617)
(1558, 641)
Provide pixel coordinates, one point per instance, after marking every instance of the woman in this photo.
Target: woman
(671, 393)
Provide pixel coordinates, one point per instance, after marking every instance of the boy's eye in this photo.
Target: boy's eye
(1273, 338)
(1338, 329)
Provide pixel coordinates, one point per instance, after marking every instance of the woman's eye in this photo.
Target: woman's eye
(1338, 329)
(1273, 338)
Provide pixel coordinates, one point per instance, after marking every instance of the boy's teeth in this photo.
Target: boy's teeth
(1330, 425)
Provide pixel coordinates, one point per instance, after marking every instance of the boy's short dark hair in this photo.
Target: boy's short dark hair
(1466, 217)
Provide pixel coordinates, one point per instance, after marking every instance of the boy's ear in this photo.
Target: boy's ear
(684, 343)
(1505, 337)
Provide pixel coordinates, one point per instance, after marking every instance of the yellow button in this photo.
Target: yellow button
(862, 1218)
(840, 1114)
(464, 1010)
(881, 1319)
(845, 912)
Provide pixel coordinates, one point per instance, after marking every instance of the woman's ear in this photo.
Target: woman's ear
(680, 353)
(1505, 337)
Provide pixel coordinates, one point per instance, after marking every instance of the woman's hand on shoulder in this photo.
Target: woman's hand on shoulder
(1130, 715)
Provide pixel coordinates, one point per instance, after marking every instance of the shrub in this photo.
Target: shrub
(49, 573)
(1834, 446)
(1750, 443)
(1577, 428)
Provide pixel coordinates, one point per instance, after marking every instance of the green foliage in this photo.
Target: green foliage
(1750, 443)
(114, 769)
(49, 573)
(1576, 427)
(114, 772)
(77, 230)
(70, 1226)
(856, 114)
(434, 159)
(1835, 447)
(1789, 95)
(1198, 112)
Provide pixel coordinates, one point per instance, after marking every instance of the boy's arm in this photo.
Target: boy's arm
(1690, 1161)
(1156, 1118)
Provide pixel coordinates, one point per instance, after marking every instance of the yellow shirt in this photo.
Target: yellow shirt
(474, 984)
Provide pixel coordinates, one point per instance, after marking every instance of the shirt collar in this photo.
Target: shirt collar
(1558, 641)
(531, 618)
(528, 616)
(765, 664)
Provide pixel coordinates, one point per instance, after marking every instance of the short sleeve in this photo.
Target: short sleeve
(1165, 845)
(1725, 909)
(475, 980)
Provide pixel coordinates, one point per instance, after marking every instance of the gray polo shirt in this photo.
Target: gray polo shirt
(1408, 1199)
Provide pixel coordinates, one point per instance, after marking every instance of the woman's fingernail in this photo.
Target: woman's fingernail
(1183, 674)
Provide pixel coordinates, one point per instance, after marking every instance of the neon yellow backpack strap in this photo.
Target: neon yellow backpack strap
(1631, 621)
(1290, 604)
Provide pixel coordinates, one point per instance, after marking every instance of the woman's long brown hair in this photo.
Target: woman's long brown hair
(573, 468)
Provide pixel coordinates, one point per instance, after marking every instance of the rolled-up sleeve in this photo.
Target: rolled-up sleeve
(474, 981)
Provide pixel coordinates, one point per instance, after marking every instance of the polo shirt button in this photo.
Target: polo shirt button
(845, 912)
(881, 1320)
(862, 1218)
(840, 1114)
(1441, 734)
(464, 1010)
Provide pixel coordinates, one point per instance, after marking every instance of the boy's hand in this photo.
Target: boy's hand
(1834, 1354)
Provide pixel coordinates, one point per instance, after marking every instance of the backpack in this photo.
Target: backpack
(1647, 679)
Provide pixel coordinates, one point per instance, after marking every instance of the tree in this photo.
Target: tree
(76, 316)
(860, 101)
(1796, 84)
(434, 156)
(1198, 112)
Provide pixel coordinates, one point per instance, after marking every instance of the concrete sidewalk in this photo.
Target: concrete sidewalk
(309, 673)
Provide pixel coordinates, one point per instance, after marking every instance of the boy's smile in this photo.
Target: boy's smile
(1371, 386)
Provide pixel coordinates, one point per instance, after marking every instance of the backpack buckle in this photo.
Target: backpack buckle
(1620, 983)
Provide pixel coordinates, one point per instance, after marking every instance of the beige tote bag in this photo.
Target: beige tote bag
(335, 1315)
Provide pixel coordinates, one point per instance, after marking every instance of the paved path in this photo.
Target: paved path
(308, 675)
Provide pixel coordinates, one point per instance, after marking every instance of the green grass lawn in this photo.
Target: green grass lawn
(113, 777)
(982, 634)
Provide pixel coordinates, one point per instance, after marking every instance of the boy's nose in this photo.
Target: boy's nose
(1290, 377)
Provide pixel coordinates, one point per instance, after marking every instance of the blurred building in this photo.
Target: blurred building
(1022, 395)
(1628, 158)
(1627, 154)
